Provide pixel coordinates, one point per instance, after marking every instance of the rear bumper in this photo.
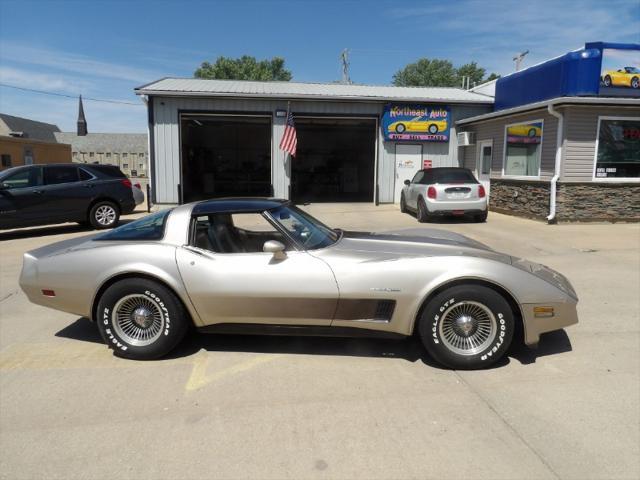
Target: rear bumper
(564, 314)
(467, 206)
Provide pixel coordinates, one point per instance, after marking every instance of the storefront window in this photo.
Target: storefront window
(523, 148)
(618, 154)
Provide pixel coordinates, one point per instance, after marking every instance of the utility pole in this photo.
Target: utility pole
(518, 59)
(344, 56)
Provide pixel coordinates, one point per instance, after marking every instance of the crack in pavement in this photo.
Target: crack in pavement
(11, 294)
(508, 425)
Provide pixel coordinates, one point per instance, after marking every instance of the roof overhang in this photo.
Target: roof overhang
(629, 102)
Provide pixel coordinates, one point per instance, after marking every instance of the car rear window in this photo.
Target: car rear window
(150, 227)
(109, 171)
(454, 175)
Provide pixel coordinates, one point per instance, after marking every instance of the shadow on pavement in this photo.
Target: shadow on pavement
(445, 219)
(45, 231)
(409, 349)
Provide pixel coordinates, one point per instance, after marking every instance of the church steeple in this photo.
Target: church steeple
(82, 122)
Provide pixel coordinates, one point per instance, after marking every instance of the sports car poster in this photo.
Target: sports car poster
(417, 123)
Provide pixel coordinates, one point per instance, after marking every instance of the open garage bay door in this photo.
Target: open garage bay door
(335, 160)
(225, 156)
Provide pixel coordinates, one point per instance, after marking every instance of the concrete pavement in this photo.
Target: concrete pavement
(273, 408)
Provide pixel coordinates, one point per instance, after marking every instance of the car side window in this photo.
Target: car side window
(54, 175)
(234, 233)
(27, 178)
(84, 175)
(418, 176)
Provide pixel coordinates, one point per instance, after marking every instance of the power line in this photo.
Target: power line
(119, 102)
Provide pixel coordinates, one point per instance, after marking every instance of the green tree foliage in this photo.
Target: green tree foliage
(244, 68)
(439, 73)
(493, 76)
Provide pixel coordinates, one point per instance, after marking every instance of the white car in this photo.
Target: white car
(138, 195)
(444, 191)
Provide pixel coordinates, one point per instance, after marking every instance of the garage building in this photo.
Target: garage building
(356, 143)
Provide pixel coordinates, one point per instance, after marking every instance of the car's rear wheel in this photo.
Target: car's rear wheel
(433, 129)
(141, 319)
(467, 327)
(104, 214)
(423, 213)
(403, 204)
(481, 217)
(635, 82)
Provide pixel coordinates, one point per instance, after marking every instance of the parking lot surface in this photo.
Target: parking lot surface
(326, 408)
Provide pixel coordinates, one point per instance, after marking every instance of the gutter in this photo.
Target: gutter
(556, 175)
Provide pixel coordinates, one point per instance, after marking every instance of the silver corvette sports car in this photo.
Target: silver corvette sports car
(264, 265)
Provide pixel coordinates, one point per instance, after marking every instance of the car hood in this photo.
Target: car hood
(415, 242)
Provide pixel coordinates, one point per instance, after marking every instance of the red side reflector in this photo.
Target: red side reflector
(481, 192)
(431, 192)
(48, 293)
(458, 212)
(126, 182)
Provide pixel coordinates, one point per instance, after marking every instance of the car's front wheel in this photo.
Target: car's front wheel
(400, 128)
(104, 215)
(403, 204)
(607, 81)
(467, 327)
(141, 319)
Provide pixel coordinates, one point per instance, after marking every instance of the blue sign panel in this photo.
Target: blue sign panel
(416, 123)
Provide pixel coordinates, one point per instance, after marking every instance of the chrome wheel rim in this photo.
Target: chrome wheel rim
(105, 215)
(138, 320)
(467, 328)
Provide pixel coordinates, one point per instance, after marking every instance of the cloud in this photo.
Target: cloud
(42, 81)
(76, 63)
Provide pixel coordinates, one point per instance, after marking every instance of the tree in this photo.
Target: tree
(471, 70)
(426, 73)
(439, 73)
(244, 68)
(493, 76)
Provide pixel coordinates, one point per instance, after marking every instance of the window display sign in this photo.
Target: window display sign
(525, 133)
(618, 154)
(417, 123)
(620, 73)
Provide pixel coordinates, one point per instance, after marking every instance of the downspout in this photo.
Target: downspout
(558, 164)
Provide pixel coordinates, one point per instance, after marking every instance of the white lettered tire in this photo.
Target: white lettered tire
(141, 319)
(467, 327)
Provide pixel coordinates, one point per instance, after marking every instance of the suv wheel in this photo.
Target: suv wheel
(104, 215)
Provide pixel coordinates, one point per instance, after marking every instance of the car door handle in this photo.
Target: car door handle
(39, 192)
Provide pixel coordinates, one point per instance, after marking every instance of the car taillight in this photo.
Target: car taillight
(126, 182)
(431, 192)
(481, 192)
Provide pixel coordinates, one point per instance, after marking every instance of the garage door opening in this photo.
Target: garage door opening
(225, 156)
(335, 160)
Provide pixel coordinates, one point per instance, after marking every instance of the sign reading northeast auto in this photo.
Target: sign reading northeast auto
(421, 123)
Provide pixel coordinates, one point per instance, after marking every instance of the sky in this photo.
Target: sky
(104, 49)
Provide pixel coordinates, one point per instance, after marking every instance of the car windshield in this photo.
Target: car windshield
(150, 227)
(306, 230)
(446, 175)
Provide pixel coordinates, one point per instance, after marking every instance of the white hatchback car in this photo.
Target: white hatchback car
(444, 191)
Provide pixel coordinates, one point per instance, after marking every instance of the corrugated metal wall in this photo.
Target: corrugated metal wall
(495, 130)
(167, 138)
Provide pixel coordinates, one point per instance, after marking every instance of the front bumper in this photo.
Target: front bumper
(564, 314)
(448, 206)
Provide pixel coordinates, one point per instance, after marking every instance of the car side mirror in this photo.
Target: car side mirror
(275, 247)
(407, 182)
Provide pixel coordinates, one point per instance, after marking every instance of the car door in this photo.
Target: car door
(64, 192)
(255, 287)
(21, 198)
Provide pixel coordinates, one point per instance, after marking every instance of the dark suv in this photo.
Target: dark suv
(68, 192)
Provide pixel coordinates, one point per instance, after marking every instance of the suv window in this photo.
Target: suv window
(84, 175)
(109, 171)
(54, 175)
(25, 178)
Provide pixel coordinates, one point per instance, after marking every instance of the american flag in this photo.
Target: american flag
(289, 140)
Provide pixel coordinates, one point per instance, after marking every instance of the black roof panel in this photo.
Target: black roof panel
(236, 205)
